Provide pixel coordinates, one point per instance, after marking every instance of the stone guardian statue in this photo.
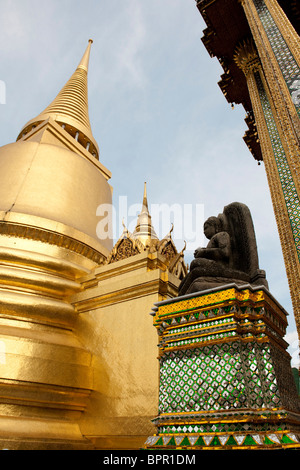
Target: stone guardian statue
(231, 253)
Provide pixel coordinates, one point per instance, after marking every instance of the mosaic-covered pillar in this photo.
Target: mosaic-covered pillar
(272, 69)
(225, 375)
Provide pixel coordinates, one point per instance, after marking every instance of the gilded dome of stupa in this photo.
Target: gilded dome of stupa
(56, 181)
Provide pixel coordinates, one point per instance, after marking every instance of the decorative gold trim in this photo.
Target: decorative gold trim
(11, 229)
(246, 57)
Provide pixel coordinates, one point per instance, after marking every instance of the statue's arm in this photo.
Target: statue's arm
(197, 252)
(217, 249)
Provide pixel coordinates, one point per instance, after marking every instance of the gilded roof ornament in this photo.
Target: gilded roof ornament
(144, 230)
(144, 239)
(246, 56)
(70, 108)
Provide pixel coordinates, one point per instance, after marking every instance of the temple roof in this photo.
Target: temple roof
(145, 239)
(70, 107)
(227, 26)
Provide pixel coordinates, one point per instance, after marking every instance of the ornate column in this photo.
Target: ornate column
(278, 44)
(271, 66)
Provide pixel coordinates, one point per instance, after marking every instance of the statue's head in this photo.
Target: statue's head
(211, 226)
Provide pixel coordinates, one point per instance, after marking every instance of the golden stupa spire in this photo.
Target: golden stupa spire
(70, 107)
(144, 230)
(145, 200)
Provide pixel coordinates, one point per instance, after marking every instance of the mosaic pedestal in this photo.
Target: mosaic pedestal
(225, 376)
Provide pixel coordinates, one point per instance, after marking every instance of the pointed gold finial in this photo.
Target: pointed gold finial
(144, 230)
(84, 63)
(70, 107)
(145, 201)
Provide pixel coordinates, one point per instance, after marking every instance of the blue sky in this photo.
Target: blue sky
(155, 108)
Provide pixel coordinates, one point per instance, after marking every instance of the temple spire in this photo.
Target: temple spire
(84, 63)
(145, 201)
(144, 230)
(70, 107)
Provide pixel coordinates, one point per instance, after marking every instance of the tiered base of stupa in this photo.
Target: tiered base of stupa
(225, 375)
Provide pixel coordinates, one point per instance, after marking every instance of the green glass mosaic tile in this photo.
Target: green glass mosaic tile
(172, 442)
(267, 441)
(288, 65)
(230, 376)
(223, 441)
(286, 439)
(291, 197)
(159, 442)
(231, 441)
(249, 441)
(185, 442)
(200, 441)
(215, 441)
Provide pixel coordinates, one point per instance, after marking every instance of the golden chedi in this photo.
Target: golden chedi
(50, 187)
